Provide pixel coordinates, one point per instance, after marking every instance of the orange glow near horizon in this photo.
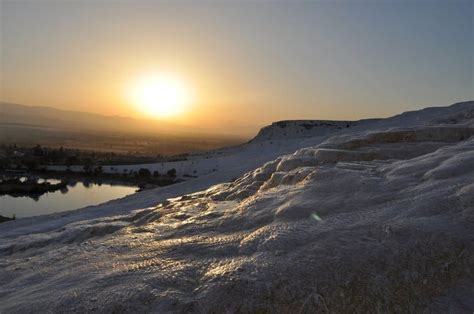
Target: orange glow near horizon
(161, 95)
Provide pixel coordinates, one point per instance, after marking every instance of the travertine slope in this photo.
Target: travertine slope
(380, 220)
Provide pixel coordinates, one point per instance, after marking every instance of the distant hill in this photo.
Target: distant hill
(291, 129)
(459, 113)
(52, 118)
(47, 126)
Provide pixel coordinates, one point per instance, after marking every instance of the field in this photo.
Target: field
(106, 141)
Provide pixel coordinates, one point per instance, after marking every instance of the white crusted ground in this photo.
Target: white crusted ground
(375, 220)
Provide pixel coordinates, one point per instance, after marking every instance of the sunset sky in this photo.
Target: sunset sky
(242, 63)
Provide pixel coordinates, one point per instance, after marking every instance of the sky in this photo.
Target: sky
(247, 63)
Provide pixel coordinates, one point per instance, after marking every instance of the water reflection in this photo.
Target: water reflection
(76, 194)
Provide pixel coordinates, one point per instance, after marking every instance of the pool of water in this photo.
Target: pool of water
(77, 195)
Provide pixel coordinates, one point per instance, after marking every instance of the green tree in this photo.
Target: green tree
(88, 165)
(144, 173)
(31, 164)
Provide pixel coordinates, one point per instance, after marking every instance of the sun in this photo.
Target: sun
(161, 95)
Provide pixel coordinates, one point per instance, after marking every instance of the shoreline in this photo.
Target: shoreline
(141, 182)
